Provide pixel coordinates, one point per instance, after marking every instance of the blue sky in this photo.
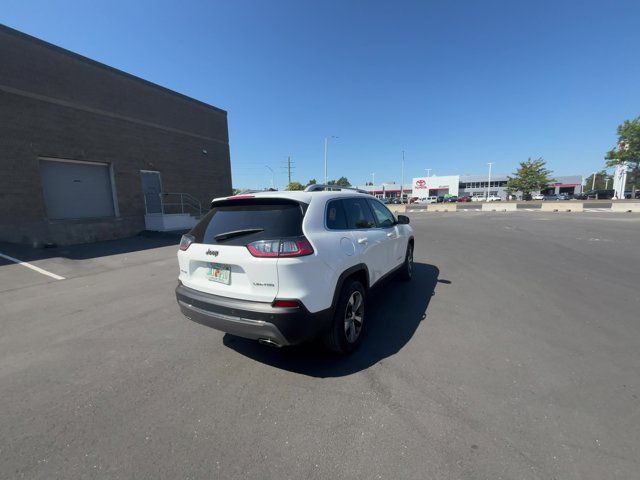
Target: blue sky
(456, 84)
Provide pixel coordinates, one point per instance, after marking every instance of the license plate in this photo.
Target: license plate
(219, 273)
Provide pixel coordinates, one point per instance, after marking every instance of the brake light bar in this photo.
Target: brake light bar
(288, 247)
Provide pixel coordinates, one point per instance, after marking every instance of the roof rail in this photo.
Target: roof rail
(317, 187)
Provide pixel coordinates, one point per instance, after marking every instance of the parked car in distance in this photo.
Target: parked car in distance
(599, 194)
(551, 196)
(464, 199)
(427, 200)
(413, 199)
(440, 199)
(629, 195)
(286, 267)
(493, 198)
(564, 196)
(538, 196)
(451, 199)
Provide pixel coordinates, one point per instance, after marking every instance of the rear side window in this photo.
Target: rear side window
(358, 213)
(336, 219)
(263, 219)
(383, 215)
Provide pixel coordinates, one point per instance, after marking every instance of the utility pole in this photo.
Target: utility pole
(489, 182)
(289, 168)
(606, 183)
(373, 178)
(593, 183)
(428, 170)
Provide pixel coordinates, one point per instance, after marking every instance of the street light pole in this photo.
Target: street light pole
(402, 180)
(271, 169)
(489, 182)
(326, 147)
(428, 170)
(593, 183)
(373, 178)
(326, 144)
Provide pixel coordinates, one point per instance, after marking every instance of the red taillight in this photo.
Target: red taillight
(186, 241)
(264, 248)
(285, 303)
(294, 247)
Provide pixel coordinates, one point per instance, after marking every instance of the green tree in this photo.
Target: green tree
(343, 182)
(295, 186)
(531, 176)
(627, 151)
(603, 180)
(312, 182)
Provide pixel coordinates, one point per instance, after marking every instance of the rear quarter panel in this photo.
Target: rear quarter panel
(313, 279)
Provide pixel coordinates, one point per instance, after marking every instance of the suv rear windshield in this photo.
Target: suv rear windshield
(269, 218)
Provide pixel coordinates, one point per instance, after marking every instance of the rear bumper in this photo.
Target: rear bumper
(253, 320)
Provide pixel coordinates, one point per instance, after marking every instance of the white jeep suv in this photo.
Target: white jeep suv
(285, 267)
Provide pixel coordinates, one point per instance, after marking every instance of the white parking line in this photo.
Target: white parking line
(32, 267)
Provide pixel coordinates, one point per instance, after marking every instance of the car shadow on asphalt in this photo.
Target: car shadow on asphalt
(395, 312)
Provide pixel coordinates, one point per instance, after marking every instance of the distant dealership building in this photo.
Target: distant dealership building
(88, 152)
(387, 189)
(470, 185)
(478, 185)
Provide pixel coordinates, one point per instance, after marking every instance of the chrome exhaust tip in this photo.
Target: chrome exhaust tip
(267, 341)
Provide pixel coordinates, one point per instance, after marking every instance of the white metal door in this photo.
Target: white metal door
(151, 189)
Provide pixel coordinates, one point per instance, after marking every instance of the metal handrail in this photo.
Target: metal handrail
(184, 201)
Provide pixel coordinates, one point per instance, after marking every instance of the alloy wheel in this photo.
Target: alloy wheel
(353, 317)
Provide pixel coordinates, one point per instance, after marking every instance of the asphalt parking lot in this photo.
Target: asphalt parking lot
(514, 353)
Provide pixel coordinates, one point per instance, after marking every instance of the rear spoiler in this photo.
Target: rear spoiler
(223, 201)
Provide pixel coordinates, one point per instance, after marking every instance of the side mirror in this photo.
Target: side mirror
(403, 219)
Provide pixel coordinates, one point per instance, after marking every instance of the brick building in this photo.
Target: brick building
(88, 152)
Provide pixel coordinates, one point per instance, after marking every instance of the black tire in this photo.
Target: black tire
(337, 338)
(406, 271)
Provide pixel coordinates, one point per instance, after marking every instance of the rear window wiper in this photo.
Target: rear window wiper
(237, 233)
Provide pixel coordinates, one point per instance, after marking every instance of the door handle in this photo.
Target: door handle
(391, 234)
(363, 240)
